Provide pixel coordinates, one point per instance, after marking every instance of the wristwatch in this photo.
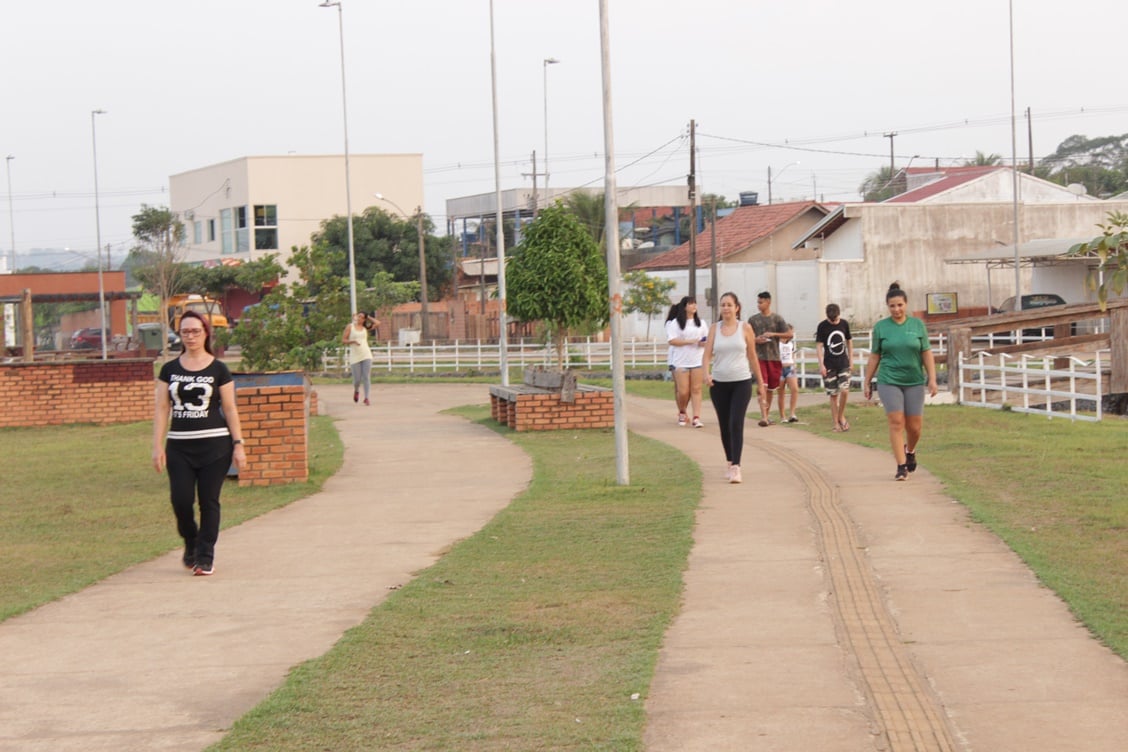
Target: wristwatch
(236, 441)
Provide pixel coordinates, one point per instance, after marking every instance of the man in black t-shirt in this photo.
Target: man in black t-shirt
(835, 350)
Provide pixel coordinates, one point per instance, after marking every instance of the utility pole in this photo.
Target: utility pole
(535, 201)
(892, 167)
(713, 261)
(423, 333)
(693, 208)
(1030, 140)
(769, 185)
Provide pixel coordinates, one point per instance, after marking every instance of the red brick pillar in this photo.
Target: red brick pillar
(275, 423)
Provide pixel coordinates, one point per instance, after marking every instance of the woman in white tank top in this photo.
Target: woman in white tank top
(730, 360)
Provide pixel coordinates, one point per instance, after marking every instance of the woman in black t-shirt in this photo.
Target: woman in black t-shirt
(196, 435)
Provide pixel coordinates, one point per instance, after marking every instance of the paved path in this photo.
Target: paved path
(154, 659)
(831, 609)
(827, 608)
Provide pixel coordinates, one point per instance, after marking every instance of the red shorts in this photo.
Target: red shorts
(770, 372)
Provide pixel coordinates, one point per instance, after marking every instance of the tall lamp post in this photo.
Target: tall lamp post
(348, 183)
(11, 216)
(502, 320)
(792, 164)
(422, 262)
(547, 62)
(98, 230)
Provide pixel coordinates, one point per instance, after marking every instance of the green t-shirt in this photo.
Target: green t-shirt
(900, 346)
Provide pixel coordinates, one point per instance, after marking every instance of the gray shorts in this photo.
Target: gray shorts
(902, 399)
(836, 383)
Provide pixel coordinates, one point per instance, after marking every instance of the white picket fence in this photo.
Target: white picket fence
(1034, 385)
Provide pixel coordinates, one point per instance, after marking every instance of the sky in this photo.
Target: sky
(805, 88)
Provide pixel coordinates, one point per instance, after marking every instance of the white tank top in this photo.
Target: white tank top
(730, 356)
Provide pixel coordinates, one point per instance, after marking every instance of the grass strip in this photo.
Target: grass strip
(82, 502)
(539, 632)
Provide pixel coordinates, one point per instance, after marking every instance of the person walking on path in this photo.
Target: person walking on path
(730, 360)
(770, 329)
(901, 358)
(360, 354)
(196, 435)
(686, 335)
(835, 348)
(788, 380)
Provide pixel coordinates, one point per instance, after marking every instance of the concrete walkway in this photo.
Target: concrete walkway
(826, 608)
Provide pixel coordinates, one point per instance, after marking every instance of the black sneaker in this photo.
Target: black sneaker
(910, 460)
(203, 570)
(902, 474)
(189, 558)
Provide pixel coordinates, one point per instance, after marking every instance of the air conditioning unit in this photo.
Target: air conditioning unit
(189, 215)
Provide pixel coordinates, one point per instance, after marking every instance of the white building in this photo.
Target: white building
(251, 206)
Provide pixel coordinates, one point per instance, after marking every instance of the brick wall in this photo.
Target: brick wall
(524, 409)
(275, 422)
(79, 391)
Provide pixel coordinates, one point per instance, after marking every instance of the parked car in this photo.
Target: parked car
(87, 338)
(1033, 302)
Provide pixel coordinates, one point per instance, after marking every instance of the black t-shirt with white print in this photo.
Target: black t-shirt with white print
(194, 395)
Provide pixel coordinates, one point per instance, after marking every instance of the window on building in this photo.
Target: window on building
(197, 232)
(266, 227)
(211, 230)
(226, 231)
(242, 231)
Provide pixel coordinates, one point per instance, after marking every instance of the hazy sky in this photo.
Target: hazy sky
(188, 84)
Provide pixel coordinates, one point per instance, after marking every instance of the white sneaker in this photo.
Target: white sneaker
(697, 422)
(683, 419)
(735, 476)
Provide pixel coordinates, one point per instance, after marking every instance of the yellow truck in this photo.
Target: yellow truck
(205, 305)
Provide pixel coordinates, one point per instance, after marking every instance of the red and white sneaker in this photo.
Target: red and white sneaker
(203, 570)
(683, 419)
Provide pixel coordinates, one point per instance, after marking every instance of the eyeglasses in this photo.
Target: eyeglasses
(190, 332)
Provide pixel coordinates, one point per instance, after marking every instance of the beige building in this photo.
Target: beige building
(911, 238)
(252, 206)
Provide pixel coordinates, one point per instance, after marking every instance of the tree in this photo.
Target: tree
(1100, 164)
(646, 295)
(215, 281)
(297, 322)
(386, 243)
(711, 199)
(883, 184)
(1111, 246)
(557, 276)
(589, 209)
(160, 236)
(983, 160)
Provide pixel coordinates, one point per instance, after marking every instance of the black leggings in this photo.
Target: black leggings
(197, 466)
(730, 400)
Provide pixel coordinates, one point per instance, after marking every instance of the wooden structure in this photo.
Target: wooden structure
(963, 336)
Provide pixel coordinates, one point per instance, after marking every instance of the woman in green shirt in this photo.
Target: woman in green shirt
(901, 359)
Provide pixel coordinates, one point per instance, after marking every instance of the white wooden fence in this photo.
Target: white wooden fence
(1033, 384)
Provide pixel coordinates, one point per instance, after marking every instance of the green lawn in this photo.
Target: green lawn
(536, 632)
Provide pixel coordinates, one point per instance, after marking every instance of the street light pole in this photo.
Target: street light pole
(98, 231)
(348, 182)
(547, 62)
(502, 322)
(791, 164)
(11, 215)
(424, 312)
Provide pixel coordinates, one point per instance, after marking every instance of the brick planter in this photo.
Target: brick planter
(274, 411)
(53, 393)
(531, 408)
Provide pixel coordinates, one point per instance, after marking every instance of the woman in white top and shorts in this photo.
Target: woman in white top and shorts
(686, 335)
(730, 360)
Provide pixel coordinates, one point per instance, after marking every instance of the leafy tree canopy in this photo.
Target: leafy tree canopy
(386, 243)
(557, 276)
(297, 322)
(647, 295)
(1111, 246)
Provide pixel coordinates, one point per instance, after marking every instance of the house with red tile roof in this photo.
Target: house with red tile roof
(947, 214)
(760, 232)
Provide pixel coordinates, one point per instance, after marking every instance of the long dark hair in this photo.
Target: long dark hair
(204, 323)
(677, 311)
